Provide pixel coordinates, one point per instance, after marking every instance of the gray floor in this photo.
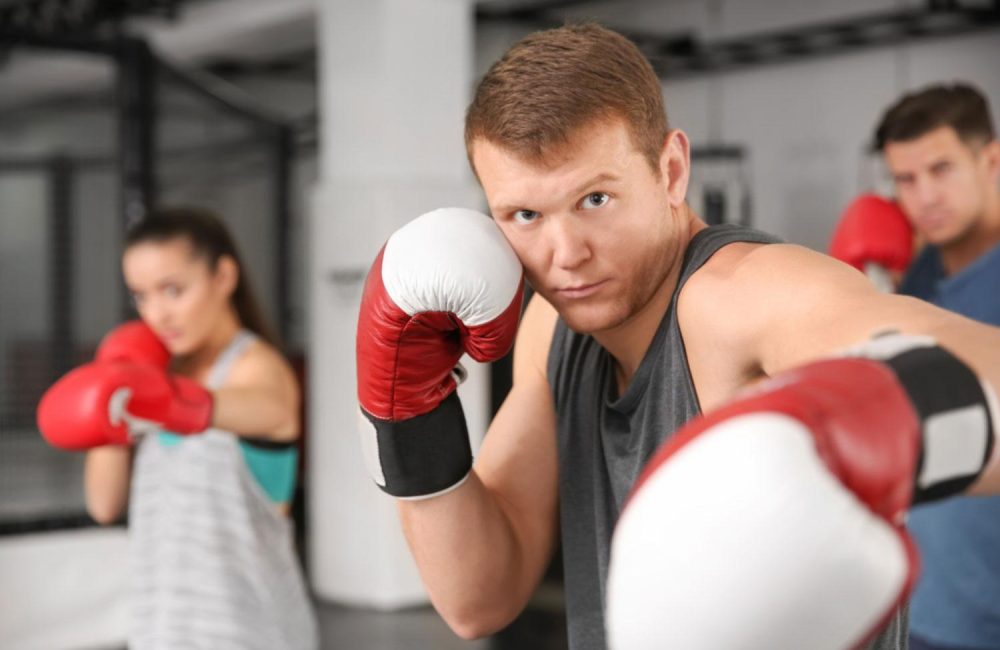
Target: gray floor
(341, 627)
(538, 628)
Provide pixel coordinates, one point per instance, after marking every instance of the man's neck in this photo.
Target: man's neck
(629, 342)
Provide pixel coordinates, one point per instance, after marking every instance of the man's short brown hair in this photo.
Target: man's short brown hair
(960, 106)
(552, 83)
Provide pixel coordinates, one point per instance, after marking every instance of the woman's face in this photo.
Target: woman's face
(177, 293)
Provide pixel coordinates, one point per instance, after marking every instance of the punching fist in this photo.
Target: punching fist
(875, 237)
(445, 284)
(109, 403)
(133, 341)
(783, 511)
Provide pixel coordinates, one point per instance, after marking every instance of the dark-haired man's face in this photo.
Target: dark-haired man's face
(942, 184)
(591, 226)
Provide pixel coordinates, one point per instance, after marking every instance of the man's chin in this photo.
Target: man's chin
(590, 316)
(944, 234)
(941, 238)
(590, 323)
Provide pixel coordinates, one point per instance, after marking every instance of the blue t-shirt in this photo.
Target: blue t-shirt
(957, 599)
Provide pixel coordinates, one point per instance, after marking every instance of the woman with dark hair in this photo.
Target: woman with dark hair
(212, 550)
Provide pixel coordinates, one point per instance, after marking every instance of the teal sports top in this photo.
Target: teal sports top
(273, 464)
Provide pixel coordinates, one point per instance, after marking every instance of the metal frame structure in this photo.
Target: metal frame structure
(78, 16)
(687, 54)
(137, 68)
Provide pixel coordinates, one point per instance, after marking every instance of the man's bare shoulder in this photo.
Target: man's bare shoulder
(751, 274)
(783, 305)
(720, 286)
(720, 321)
(749, 300)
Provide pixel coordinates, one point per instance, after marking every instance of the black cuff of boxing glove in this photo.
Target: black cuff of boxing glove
(955, 417)
(424, 455)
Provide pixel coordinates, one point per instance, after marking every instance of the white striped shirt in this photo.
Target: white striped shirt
(213, 563)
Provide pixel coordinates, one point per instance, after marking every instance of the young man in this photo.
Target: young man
(941, 149)
(643, 319)
(940, 146)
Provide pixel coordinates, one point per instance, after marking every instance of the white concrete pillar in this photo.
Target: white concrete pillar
(395, 79)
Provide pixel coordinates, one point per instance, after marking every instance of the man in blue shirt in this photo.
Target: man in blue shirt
(940, 146)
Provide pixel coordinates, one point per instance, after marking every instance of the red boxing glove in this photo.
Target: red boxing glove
(873, 230)
(133, 341)
(109, 403)
(784, 508)
(445, 284)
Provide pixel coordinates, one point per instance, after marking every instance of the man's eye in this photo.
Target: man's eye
(595, 200)
(525, 216)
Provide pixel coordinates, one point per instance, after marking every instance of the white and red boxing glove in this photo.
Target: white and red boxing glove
(776, 521)
(875, 237)
(110, 403)
(445, 284)
(133, 341)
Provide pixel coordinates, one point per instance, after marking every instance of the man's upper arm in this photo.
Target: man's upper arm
(517, 461)
(810, 306)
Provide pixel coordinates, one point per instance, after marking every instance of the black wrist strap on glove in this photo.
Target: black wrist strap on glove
(957, 427)
(954, 407)
(421, 457)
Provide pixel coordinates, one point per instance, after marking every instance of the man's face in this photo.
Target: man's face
(592, 226)
(941, 183)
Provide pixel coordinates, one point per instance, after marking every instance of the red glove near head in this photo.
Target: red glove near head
(446, 284)
(873, 230)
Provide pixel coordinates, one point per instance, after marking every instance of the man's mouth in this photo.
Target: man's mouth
(578, 291)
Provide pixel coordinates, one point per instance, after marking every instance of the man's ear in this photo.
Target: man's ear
(991, 159)
(675, 165)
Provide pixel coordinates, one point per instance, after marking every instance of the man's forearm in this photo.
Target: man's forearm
(469, 557)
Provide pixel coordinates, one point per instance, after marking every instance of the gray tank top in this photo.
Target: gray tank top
(212, 561)
(605, 439)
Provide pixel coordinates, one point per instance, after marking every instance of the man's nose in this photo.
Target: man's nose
(570, 248)
(927, 191)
